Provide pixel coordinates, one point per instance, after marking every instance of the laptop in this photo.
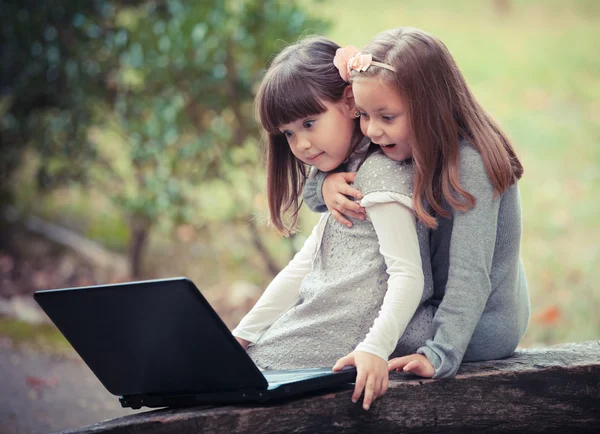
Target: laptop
(159, 343)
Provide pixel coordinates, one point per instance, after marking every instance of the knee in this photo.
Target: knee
(492, 346)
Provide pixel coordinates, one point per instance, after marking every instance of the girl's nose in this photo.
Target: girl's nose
(373, 131)
(304, 144)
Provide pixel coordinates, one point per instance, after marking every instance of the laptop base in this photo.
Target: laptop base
(323, 383)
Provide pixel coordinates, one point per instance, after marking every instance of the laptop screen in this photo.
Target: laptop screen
(151, 337)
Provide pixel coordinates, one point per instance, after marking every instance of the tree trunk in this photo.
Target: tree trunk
(272, 266)
(139, 228)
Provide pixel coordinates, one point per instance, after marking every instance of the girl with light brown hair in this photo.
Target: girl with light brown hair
(419, 109)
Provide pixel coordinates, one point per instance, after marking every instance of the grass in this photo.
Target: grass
(44, 336)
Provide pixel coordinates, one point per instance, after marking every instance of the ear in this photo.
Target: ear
(348, 105)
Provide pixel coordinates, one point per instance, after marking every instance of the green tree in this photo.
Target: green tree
(50, 78)
(152, 101)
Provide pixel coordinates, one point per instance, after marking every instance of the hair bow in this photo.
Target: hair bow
(350, 58)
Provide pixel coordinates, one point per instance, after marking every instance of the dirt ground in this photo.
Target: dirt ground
(44, 392)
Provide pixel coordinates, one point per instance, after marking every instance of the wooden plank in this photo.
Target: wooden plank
(551, 390)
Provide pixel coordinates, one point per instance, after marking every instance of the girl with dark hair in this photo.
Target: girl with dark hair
(357, 292)
(465, 195)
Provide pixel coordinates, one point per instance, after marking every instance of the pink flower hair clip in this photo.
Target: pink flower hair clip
(350, 58)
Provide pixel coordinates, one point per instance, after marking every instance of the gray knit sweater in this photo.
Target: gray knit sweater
(481, 299)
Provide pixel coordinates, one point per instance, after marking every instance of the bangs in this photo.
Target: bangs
(283, 100)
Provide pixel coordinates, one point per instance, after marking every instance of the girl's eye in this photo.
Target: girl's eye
(287, 133)
(308, 124)
(364, 115)
(388, 118)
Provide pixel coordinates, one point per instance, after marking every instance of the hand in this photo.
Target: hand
(372, 375)
(416, 364)
(335, 187)
(243, 342)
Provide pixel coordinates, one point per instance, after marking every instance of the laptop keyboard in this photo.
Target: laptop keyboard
(275, 377)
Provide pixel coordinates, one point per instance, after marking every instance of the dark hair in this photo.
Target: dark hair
(300, 77)
(442, 111)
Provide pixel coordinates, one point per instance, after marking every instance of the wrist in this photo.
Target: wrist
(243, 342)
(373, 350)
(431, 357)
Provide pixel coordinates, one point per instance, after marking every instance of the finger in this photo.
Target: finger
(376, 388)
(340, 218)
(354, 214)
(414, 367)
(348, 176)
(385, 382)
(344, 361)
(369, 392)
(343, 203)
(398, 363)
(351, 191)
(358, 387)
(419, 368)
(340, 201)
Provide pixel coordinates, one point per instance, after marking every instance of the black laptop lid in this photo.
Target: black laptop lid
(151, 337)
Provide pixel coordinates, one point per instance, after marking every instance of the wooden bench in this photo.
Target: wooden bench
(550, 390)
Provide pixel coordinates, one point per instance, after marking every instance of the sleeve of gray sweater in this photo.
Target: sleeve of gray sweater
(468, 287)
(313, 191)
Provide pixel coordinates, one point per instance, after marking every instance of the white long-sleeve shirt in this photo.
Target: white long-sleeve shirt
(395, 225)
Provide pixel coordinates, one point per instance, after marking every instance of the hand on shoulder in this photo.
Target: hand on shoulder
(336, 188)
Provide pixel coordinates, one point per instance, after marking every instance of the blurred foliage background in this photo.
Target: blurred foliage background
(129, 146)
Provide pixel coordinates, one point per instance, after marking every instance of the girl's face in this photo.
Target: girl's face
(383, 117)
(323, 140)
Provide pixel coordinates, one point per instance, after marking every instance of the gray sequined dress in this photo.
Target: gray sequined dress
(341, 296)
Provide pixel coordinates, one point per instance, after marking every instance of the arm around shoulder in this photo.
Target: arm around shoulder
(313, 191)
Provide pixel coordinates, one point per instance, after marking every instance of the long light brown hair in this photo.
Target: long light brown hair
(297, 82)
(442, 111)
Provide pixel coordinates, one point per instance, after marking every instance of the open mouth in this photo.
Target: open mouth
(388, 146)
